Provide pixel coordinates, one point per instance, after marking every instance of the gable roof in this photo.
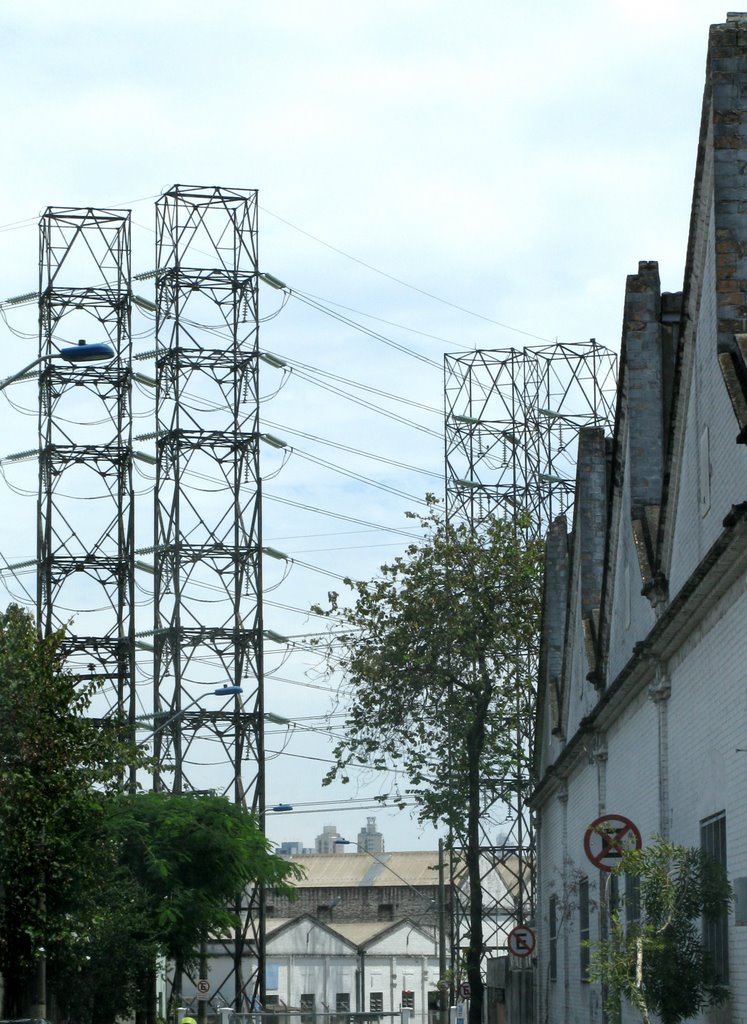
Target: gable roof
(357, 935)
(275, 928)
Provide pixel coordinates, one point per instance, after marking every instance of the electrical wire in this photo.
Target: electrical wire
(353, 451)
(349, 322)
(367, 405)
(328, 513)
(389, 395)
(405, 284)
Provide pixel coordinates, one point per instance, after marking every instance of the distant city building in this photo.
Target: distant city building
(293, 848)
(369, 840)
(326, 842)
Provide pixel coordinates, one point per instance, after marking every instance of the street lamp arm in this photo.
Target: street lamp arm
(220, 691)
(22, 373)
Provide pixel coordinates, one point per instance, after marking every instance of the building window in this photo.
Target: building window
(705, 471)
(553, 937)
(716, 933)
(376, 1002)
(632, 901)
(408, 1000)
(385, 912)
(269, 910)
(583, 928)
(613, 894)
(324, 912)
(307, 1008)
(342, 1006)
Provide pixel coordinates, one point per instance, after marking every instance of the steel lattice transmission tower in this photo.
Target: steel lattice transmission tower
(85, 550)
(208, 533)
(511, 427)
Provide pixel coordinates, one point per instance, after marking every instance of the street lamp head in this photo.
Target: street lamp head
(283, 807)
(227, 691)
(344, 842)
(83, 352)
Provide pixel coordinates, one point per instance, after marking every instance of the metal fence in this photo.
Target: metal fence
(290, 1015)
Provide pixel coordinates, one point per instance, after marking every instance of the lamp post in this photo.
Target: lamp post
(439, 905)
(39, 1007)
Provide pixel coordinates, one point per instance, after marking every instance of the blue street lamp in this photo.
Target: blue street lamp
(83, 352)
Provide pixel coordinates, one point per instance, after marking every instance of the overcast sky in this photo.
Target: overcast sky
(481, 175)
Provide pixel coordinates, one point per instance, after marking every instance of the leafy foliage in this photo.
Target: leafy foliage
(56, 768)
(659, 964)
(191, 856)
(434, 653)
(102, 879)
(178, 863)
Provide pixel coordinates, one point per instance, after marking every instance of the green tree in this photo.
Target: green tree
(192, 855)
(97, 882)
(56, 767)
(177, 864)
(434, 654)
(659, 964)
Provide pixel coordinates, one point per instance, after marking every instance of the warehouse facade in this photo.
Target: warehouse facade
(642, 704)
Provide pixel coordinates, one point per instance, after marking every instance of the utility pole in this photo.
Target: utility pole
(443, 988)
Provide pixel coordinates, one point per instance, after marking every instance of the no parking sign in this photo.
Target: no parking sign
(607, 838)
(521, 941)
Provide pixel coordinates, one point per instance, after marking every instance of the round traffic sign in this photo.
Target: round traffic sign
(608, 838)
(203, 986)
(521, 941)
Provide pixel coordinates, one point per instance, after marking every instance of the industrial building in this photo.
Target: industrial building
(642, 711)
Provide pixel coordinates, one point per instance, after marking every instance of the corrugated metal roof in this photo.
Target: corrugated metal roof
(339, 870)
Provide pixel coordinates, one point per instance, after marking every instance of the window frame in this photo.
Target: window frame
(552, 938)
(584, 929)
(715, 934)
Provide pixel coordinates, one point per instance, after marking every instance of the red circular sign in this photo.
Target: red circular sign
(608, 838)
(521, 941)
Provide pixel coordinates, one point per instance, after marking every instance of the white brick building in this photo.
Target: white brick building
(333, 969)
(361, 937)
(642, 708)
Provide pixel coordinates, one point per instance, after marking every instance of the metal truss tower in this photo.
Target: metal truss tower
(207, 531)
(511, 427)
(85, 548)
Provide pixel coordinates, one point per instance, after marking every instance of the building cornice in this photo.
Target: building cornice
(715, 574)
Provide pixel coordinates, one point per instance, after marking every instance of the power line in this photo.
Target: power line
(400, 281)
